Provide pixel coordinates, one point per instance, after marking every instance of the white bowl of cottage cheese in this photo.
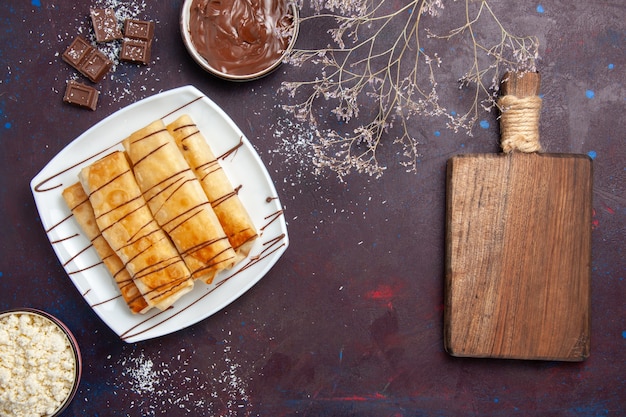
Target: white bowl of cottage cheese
(40, 364)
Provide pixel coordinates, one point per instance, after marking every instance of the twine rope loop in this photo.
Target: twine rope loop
(519, 123)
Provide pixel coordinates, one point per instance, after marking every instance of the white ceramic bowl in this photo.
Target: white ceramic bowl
(58, 329)
(200, 60)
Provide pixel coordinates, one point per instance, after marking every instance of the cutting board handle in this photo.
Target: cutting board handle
(520, 84)
(520, 107)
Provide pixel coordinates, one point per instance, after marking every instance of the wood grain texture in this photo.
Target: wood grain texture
(520, 84)
(518, 255)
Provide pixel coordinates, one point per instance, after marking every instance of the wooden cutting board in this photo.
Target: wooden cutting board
(518, 250)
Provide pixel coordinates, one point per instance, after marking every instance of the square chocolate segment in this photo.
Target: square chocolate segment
(95, 66)
(134, 50)
(77, 51)
(81, 95)
(105, 25)
(139, 29)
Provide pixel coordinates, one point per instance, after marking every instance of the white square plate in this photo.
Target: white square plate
(79, 258)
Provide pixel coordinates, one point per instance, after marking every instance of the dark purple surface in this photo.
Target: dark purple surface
(349, 322)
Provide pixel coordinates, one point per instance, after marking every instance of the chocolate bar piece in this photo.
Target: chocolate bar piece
(105, 25)
(81, 95)
(95, 66)
(137, 43)
(139, 29)
(88, 60)
(77, 51)
(134, 50)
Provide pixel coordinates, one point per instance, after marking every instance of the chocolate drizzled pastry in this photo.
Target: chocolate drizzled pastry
(178, 202)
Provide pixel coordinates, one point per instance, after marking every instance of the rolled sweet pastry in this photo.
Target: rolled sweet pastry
(224, 199)
(178, 202)
(78, 203)
(128, 226)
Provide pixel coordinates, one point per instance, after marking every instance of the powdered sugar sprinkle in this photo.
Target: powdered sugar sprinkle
(179, 384)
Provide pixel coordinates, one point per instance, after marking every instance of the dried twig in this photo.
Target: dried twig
(381, 55)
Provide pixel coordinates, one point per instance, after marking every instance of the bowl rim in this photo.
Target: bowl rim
(203, 63)
(78, 363)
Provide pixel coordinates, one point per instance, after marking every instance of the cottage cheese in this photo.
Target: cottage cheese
(37, 365)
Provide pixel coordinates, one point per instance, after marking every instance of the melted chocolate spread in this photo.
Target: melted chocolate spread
(241, 37)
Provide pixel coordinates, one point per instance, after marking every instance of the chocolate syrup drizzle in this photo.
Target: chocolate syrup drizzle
(268, 247)
(39, 187)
